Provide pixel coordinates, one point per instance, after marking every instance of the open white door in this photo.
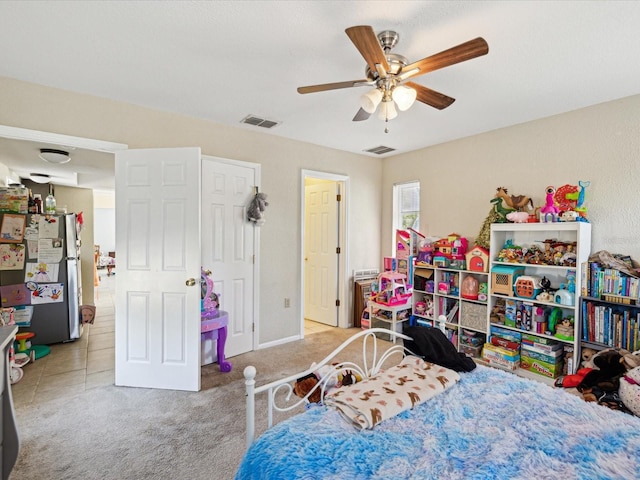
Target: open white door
(229, 245)
(321, 257)
(158, 245)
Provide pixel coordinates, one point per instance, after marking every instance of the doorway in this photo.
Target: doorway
(324, 252)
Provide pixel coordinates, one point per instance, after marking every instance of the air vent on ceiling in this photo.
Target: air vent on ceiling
(380, 150)
(259, 122)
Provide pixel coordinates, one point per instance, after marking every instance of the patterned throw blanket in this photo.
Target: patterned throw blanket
(395, 390)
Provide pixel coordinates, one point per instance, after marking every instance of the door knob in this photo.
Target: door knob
(191, 282)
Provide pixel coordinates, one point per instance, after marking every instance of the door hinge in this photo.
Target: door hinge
(337, 250)
(253, 259)
(338, 198)
(253, 327)
(338, 302)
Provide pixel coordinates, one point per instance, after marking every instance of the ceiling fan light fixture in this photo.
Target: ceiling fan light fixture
(39, 178)
(52, 155)
(370, 100)
(387, 110)
(404, 97)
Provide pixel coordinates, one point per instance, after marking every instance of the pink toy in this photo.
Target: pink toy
(550, 206)
(518, 217)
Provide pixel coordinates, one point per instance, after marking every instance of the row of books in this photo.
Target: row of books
(611, 325)
(598, 280)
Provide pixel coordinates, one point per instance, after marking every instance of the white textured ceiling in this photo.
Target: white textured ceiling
(224, 60)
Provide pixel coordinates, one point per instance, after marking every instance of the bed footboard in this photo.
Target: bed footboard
(374, 355)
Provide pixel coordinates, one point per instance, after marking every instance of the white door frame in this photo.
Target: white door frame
(256, 242)
(343, 280)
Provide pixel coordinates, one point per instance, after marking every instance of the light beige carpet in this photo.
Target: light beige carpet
(131, 433)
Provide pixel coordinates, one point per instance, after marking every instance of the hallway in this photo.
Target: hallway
(74, 367)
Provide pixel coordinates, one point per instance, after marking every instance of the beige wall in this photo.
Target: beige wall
(81, 200)
(600, 144)
(41, 108)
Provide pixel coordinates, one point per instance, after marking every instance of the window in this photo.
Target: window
(406, 207)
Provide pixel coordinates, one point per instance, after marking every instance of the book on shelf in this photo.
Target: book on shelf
(597, 280)
(611, 325)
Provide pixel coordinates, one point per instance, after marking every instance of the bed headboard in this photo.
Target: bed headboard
(375, 352)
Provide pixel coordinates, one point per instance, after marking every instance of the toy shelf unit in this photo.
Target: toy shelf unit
(534, 289)
(605, 324)
(388, 314)
(451, 299)
(390, 301)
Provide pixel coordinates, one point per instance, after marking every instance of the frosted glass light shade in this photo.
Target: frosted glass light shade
(387, 111)
(39, 178)
(404, 97)
(52, 155)
(370, 100)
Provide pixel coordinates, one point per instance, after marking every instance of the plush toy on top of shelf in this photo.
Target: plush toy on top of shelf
(565, 204)
(521, 203)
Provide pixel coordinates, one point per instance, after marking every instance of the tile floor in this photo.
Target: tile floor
(74, 367)
(88, 362)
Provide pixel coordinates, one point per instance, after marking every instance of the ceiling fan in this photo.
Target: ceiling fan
(389, 73)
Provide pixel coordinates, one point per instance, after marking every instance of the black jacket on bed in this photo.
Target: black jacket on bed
(434, 346)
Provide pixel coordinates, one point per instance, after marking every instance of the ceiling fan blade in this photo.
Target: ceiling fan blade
(465, 51)
(334, 86)
(431, 97)
(361, 115)
(367, 43)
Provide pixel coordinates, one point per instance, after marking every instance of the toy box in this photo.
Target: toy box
(548, 357)
(510, 312)
(493, 351)
(551, 370)
(533, 339)
(500, 357)
(524, 316)
(503, 277)
(474, 339)
(506, 333)
(504, 343)
(475, 352)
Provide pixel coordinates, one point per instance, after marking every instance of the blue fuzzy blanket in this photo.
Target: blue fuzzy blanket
(492, 425)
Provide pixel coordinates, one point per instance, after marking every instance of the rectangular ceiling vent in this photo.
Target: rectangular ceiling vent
(259, 122)
(380, 150)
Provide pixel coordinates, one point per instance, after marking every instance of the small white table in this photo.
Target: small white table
(393, 310)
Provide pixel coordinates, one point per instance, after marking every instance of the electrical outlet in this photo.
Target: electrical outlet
(287, 303)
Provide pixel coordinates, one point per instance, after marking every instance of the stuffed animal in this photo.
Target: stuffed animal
(348, 377)
(255, 212)
(631, 360)
(606, 377)
(306, 384)
(630, 390)
(586, 356)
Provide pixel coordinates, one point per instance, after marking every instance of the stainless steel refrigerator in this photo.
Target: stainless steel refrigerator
(59, 321)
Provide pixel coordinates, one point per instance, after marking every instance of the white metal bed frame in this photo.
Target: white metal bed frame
(369, 367)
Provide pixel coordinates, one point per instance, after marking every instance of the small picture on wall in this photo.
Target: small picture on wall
(12, 230)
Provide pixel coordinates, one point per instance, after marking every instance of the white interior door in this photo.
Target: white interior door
(229, 245)
(158, 245)
(321, 257)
